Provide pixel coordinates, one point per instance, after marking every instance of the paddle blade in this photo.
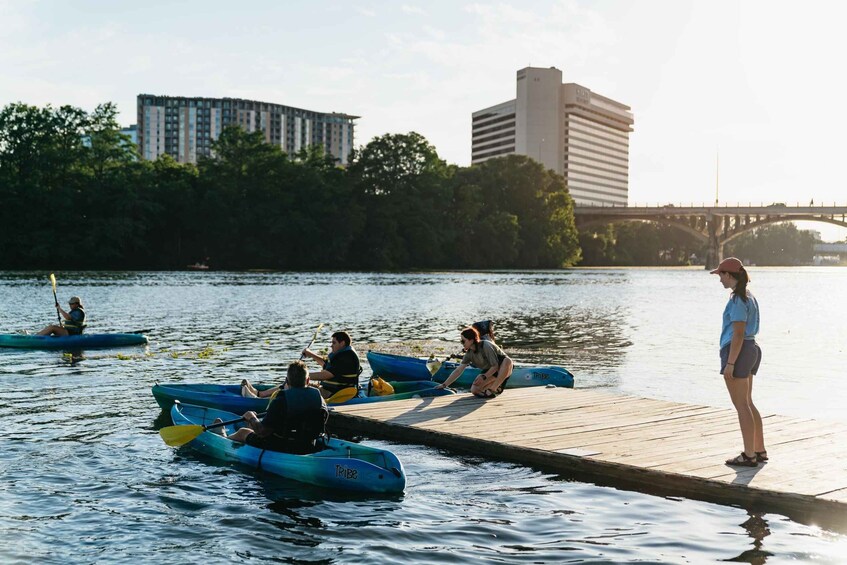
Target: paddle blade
(432, 366)
(342, 395)
(53, 281)
(180, 435)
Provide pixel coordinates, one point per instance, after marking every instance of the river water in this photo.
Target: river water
(86, 478)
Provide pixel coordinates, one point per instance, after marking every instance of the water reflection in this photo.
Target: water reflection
(757, 528)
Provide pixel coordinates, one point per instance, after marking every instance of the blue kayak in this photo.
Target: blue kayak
(400, 368)
(337, 464)
(84, 341)
(228, 397)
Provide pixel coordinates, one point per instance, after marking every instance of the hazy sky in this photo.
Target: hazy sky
(760, 82)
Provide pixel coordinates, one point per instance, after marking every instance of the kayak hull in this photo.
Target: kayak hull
(339, 465)
(84, 341)
(400, 368)
(228, 397)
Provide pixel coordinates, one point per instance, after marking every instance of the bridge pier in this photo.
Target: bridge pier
(714, 250)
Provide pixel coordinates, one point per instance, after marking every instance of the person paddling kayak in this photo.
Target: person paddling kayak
(340, 370)
(295, 418)
(74, 321)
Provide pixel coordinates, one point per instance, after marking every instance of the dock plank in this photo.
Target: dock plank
(640, 443)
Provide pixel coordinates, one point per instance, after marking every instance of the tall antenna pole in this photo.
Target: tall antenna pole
(717, 174)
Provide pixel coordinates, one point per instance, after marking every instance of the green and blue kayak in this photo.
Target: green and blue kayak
(337, 464)
(228, 397)
(400, 368)
(83, 341)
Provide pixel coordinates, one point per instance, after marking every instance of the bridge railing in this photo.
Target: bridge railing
(774, 205)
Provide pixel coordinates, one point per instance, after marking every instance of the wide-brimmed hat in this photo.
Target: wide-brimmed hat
(729, 265)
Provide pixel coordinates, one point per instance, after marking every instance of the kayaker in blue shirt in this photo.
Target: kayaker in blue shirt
(340, 370)
(740, 358)
(295, 418)
(74, 320)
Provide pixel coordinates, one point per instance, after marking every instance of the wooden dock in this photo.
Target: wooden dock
(642, 444)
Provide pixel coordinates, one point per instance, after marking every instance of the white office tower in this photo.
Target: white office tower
(577, 133)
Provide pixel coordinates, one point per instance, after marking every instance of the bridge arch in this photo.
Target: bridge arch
(715, 225)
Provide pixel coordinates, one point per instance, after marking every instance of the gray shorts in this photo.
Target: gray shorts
(748, 360)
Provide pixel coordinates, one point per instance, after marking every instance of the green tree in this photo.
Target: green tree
(402, 185)
(522, 210)
(775, 244)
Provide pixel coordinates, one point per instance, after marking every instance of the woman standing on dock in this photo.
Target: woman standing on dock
(740, 359)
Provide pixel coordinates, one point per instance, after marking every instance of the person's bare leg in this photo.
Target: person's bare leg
(503, 373)
(738, 394)
(53, 330)
(758, 427)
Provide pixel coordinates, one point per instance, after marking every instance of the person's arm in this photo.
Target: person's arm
(255, 424)
(457, 372)
(64, 314)
(317, 358)
(321, 375)
(738, 329)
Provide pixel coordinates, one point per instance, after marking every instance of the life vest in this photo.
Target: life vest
(484, 329)
(339, 382)
(379, 387)
(305, 420)
(75, 327)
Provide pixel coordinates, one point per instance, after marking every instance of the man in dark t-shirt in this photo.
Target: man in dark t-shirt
(340, 370)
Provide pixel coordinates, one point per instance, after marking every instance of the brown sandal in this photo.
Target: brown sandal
(762, 456)
(741, 460)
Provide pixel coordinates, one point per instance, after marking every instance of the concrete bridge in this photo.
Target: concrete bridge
(715, 225)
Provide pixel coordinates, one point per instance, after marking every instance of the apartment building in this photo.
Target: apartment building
(185, 128)
(578, 133)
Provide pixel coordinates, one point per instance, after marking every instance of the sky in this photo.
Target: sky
(757, 85)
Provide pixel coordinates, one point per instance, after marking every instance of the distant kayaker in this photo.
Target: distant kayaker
(295, 418)
(74, 320)
(340, 370)
(486, 356)
(740, 358)
(486, 333)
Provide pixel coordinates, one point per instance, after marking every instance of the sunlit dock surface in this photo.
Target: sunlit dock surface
(661, 447)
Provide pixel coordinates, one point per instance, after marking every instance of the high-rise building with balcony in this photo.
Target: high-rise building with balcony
(184, 128)
(580, 134)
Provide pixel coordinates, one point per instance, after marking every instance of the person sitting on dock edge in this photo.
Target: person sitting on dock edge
(295, 420)
(340, 370)
(74, 321)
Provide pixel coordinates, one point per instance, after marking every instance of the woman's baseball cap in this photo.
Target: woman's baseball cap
(728, 265)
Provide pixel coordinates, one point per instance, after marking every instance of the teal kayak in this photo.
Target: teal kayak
(400, 367)
(337, 464)
(228, 397)
(84, 341)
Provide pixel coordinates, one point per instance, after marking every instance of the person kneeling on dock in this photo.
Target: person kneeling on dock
(340, 370)
(488, 358)
(486, 333)
(295, 418)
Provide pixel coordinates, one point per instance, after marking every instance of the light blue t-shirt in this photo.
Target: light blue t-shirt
(739, 311)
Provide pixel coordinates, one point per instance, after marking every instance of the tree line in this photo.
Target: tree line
(75, 195)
